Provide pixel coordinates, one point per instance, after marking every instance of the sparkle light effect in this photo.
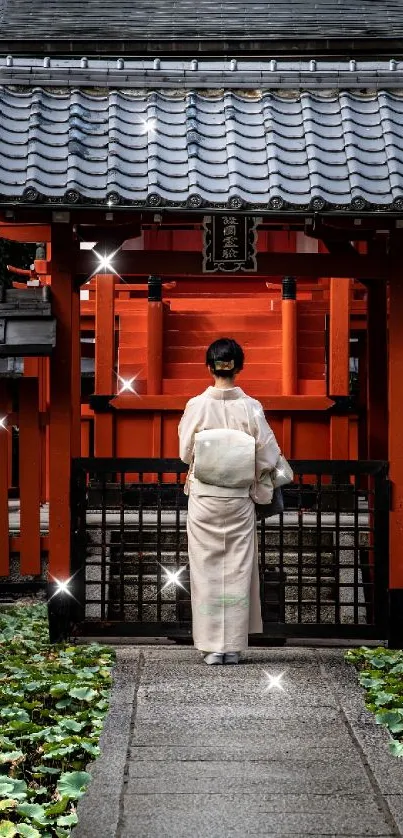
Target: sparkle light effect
(127, 384)
(3, 424)
(149, 126)
(274, 681)
(280, 472)
(173, 578)
(105, 262)
(63, 587)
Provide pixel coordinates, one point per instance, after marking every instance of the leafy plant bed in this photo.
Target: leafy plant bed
(53, 700)
(381, 673)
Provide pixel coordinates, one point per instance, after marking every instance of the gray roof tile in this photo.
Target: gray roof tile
(261, 152)
(125, 20)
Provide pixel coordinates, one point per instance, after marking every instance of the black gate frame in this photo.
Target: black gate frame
(366, 473)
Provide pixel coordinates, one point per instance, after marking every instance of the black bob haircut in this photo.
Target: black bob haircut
(224, 351)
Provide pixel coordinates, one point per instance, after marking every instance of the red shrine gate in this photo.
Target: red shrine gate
(149, 339)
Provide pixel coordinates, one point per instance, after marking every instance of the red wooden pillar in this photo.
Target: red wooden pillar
(377, 364)
(30, 473)
(75, 376)
(289, 336)
(396, 458)
(43, 408)
(155, 324)
(4, 472)
(63, 400)
(104, 360)
(339, 359)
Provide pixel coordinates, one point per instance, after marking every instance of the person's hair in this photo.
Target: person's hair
(221, 352)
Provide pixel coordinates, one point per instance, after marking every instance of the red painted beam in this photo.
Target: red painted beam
(4, 479)
(168, 402)
(339, 333)
(395, 428)
(105, 382)
(30, 476)
(63, 403)
(15, 543)
(25, 233)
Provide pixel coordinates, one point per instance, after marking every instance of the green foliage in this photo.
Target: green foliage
(53, 700)
(381, 674)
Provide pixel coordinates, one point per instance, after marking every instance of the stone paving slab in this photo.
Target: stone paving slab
(293, 746)
(225, 731)
(275, 775)
(192, 750)
(249, 814)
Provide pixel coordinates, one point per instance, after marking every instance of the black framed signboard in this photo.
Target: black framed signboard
(229, 243)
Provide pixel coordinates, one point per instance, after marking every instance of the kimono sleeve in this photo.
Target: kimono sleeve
(267, 448)
(187, 428)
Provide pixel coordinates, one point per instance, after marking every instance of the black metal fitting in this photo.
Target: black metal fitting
(289, 288)
(343, 405)
(100, 403)
(154, 289)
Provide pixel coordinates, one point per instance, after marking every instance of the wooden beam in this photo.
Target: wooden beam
(5, 432)
(395, 428)
(377, 367)
(61, 404)
(155, 327)
(15, 543)
(339, 337)
(289, 365)
(25, 233)
(75, 376)
(339, 437)
(30, 476)
(166, 263)
(272, 403)
(105, 383)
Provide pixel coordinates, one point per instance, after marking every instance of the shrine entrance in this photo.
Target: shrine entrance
(98, 443)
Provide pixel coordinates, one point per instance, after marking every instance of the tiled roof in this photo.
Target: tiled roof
(252, 150)
(202, 73)
(122, 20)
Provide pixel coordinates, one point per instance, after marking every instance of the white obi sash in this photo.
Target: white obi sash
(224, 457)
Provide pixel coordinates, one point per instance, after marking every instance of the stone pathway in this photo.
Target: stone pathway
(190, 751)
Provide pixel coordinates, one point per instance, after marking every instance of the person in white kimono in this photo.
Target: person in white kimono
(221, 522)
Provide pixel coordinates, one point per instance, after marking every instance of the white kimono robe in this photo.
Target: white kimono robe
(221, 525)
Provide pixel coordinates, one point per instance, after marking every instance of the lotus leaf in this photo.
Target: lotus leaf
(34, 811)
(73, 784)
(67, 820)
(14, 713)
(57, 808)
(396, 748)
(27, 831)
(7, 804)
(12, 788)
(83, 693)
(7, 829)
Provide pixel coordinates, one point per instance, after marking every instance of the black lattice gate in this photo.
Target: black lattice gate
(323, 562)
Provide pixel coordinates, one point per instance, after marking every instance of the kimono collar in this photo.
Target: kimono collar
(225, 395)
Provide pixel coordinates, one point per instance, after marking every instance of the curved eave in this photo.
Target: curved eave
(154, 203)
(319, 47)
